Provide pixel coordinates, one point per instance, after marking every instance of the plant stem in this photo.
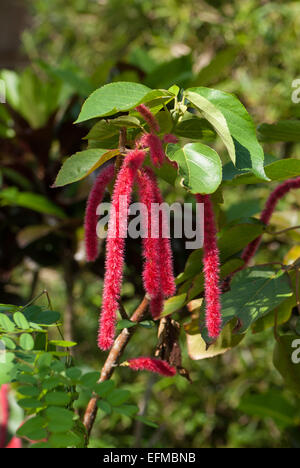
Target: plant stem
(112, 360)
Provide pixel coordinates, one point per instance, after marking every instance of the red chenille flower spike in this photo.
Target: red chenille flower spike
(151, 247)
(211, 269)
(117, 230)
(90, 222)
(166, 257)
(4, 414)
(266, 214)
(169, 138)
(155, 147)
(148, 117)
(153, 365)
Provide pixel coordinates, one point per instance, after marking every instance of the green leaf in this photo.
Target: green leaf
(52, 382)
(118, 397)
(284, 130)
(277, 170)
(57, 398)
(103, 388)
(215, 117)
(248, 152)
(177, 70)
(254, 292)
(194, 128)
(30, 403)
(31, 426)
(90, 379)
(127, 410)
(21, 321)
(112, 98)
(104, 406)
(9, 343)
(286, 360)
(26, 342)
(125, 324)
(62, 343)
(173, 304)
(44, 360)
(32, 201)
(217, 67)
(242, 233)
(195, 286)
(81, 164)
(199, 166)
(64, 440)
(146, 421)
(29, 391)
(269, 405)
(73, 373)
(6, 324)
(59, 419)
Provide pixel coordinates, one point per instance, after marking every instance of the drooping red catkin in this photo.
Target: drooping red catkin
(266, 214)
(168, 285)
(15, 443)
(90, 222)
(157, 305)
(148, 117)
(4, 414)
(117, 229)
(153, 365)
(151, 247)
(211, 268)
(169, 138)
(155, 147)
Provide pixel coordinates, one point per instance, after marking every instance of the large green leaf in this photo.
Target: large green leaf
(217, 68)
(242, 233)
(210, 112)
(284, 130)
(247, 154)
(269, 405)
(82, 164)
(194, 129)
(284, 355)
(177, 70)
(254, 292)
(33, 201)
(277, 170)
(199, 166)
(112, 98)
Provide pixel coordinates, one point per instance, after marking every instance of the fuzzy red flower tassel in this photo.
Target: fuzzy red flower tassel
(117, 229)
(15, 442)
(153, 365)
(169, 138)
(151, 247)
(211, 269)
(168, 285)
(266, 214)
(148, 117)
(155, 147)
(4, 413)
(90, 222)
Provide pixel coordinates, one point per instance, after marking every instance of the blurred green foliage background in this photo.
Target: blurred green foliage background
(73, 46)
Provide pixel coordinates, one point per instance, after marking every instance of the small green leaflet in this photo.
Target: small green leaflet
(199, 166)
(248, 153)
(82, 164)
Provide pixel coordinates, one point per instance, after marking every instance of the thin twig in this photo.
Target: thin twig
(276, 233)
(112, 360)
